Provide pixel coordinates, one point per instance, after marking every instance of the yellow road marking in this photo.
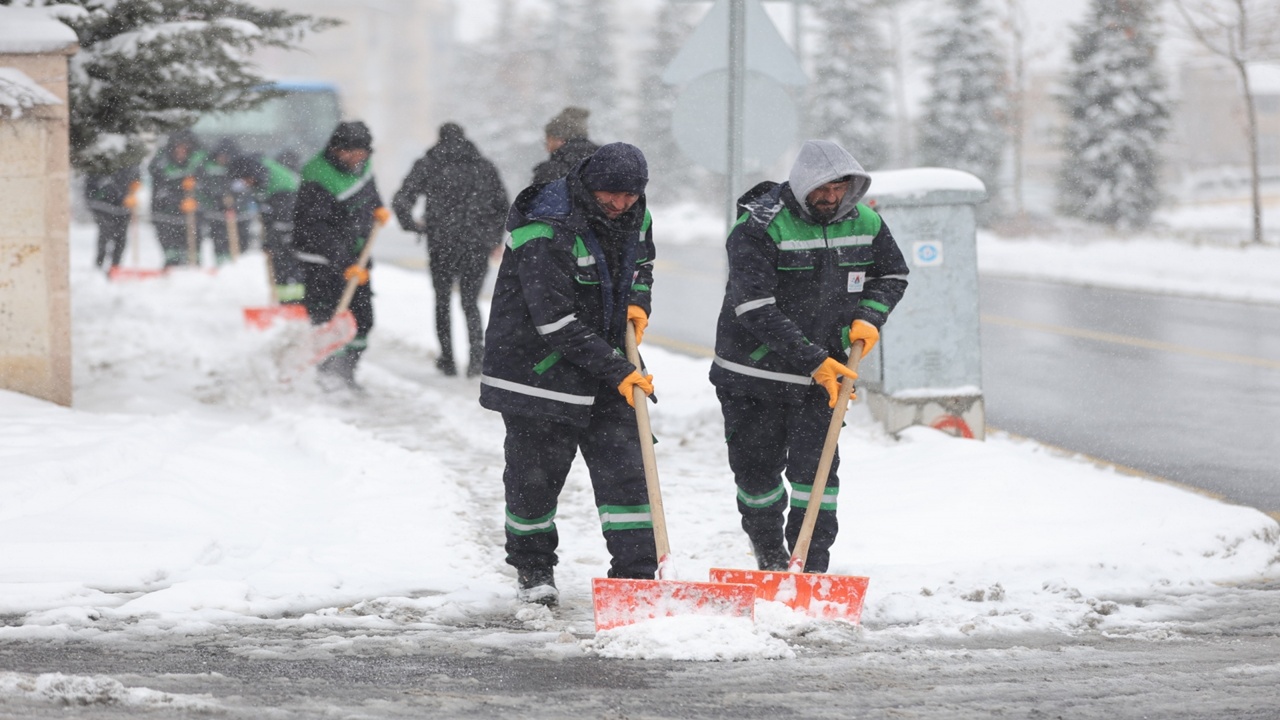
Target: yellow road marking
(1132, 341)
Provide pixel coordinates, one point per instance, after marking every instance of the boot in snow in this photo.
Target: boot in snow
(537, 585)
(772, 557)
(444, 364)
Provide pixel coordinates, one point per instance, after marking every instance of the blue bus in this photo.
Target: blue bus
(300, 120)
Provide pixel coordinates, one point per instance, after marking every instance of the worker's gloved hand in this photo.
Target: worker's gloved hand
(189, 205)
(635, 380)
(130, 201)
(355, 271)
(188, 183)
(828, 375)
(866, 332)
(382, 215)
(638, 317)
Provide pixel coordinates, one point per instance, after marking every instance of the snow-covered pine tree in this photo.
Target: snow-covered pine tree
(154, 66)
(963, 125)
(849, 99)
(669, 171)
(1117, 114)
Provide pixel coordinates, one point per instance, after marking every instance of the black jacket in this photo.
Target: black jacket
(563, 160)
(794, 289)
(333, 213)
(465, 201)
(106, 193)
(559, 308)
(167, 176)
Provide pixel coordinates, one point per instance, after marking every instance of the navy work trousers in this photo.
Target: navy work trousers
(539, 453)
(767, 440)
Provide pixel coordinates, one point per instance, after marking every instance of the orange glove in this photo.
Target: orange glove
(635, 380)
(355, 271)
(189, 205)
(637, 316)
(130, 201)
(135, 186)
(828, 375)
(866, 332)
(382, 215)
(188, 183)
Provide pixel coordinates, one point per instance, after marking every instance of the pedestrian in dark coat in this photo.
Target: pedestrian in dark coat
(275, 189)
(464, 206)
(578, 265)
(112, 198)
(332, 220)
(172, 170)
(811, 270)
(567, 143)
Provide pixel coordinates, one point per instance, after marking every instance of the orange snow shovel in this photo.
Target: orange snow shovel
(262, 317)
(621, 601)
(341, 328)
(818, 595)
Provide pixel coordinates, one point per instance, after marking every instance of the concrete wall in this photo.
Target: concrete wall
(35, 298)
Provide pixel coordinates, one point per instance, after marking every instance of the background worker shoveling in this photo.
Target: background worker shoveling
(336, 216)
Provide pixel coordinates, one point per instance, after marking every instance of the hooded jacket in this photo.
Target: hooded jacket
(465, 201)
(167, 175)
(796, 284)
(560, 302)
(106, 193)
(333, 212)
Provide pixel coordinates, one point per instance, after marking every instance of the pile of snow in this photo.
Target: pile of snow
(189, 490)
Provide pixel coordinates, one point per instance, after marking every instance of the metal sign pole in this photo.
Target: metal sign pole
(737, 102)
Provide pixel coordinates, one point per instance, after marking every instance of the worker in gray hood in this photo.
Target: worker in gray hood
(811, 270)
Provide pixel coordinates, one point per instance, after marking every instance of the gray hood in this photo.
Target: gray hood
(820, 162)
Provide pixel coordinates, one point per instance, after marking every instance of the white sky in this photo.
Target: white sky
(188, 491)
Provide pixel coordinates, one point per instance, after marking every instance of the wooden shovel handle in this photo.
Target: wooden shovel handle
(646, 453)
(801, 552)
(349, 291)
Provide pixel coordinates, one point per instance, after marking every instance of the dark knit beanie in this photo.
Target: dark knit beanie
(353, 135)
(570, 123)
(616, 167)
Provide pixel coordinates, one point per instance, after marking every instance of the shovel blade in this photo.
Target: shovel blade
(124, 274)
(261, 318)
(319, 343)
(624, 602)
(814, 594)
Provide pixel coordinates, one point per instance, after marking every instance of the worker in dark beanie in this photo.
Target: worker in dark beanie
(567, 143)
(577, 268)
(332, 219)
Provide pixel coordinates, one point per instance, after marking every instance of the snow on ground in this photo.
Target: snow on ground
(189, 491)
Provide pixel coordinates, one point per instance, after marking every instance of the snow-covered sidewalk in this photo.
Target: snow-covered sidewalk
(188, 490)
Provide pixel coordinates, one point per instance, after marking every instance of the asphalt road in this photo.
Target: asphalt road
(1213, 655)
(1182, 389)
